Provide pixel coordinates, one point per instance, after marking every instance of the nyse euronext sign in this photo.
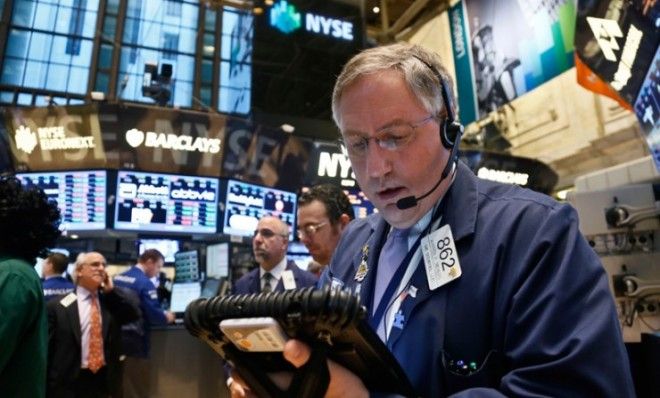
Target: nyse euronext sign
(285, 17)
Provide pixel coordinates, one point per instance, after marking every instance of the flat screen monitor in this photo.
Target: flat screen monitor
(217, 260)
(80, 196)
(362, 206)
(210, 288)
(183, 294)
(167, 247)
(298, 253)
(186, 266)
(166, 203)
(246, 203)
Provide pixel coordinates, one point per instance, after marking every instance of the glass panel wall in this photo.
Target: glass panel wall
(236, 61)
(162, 32)
(49, 45)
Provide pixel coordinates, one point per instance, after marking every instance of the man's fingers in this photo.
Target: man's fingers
(296, 352)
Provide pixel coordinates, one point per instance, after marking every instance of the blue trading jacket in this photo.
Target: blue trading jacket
(135, 336)
(56, 286)
(532, 309)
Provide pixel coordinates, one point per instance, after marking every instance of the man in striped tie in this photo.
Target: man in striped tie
(84, 333)
(275, 272)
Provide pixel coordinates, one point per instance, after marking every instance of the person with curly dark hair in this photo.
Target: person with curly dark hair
(28, 226)
(324, 211)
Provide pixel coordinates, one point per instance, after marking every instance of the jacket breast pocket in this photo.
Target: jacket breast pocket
(461, 374)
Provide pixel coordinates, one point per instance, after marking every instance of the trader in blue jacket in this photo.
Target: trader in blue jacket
(54, 282)
(135, 336)
(479, 289)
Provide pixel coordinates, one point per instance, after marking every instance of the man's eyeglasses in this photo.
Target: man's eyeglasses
(266, 233)
(96, 264)
(391, 138)
(310, 230)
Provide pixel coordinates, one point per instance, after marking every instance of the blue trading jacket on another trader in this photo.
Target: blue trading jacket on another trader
(135, 336)
(56, 286)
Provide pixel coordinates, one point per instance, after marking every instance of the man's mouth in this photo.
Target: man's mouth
(389, 194)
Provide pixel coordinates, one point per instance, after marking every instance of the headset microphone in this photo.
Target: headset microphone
(450, 136)
(411, 201)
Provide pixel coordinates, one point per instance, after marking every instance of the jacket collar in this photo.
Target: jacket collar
(462, 203)
(460, 211)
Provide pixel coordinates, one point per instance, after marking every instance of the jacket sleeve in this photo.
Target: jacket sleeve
(149, 304)
(18, 304)
(123, 304)
(561, 332)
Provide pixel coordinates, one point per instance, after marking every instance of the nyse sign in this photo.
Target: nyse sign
(335, 166)
(117, 136)
(247, 152)
(329, 26)
(46, 138)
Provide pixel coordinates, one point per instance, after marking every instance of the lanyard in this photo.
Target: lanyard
(384, 303)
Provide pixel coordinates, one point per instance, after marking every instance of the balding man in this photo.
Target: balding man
(84, 339)
(275, 273)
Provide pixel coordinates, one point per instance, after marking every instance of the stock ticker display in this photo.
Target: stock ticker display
(166, 203)
(246, 203)
(80, 196)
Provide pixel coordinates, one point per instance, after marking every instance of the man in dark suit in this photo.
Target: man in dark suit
(84, 340)
(275, 273)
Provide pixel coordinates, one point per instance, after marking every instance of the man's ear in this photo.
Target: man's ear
(344, 219)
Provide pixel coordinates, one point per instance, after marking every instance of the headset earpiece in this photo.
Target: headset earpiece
(450, 133)
(450, 129)
(450, 136)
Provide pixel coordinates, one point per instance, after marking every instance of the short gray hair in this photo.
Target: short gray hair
(410, 60)
(80, 261)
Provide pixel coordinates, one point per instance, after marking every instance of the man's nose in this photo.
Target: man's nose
(377, 162)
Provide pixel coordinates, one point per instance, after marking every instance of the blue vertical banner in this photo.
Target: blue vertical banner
(514, 47)
(467, 105)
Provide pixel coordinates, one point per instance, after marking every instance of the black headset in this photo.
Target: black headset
(450, 129)
(450, 135)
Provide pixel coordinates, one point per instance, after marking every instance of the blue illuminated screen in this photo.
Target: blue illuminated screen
(166, 203)
(362, 206)
(246, 203)
(166, 247)
(186, 266)
(80, 196)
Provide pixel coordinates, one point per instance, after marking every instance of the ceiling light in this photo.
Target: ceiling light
(376, 10)
(287, 128)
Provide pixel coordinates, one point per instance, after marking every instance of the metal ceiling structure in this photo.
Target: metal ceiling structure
(398, 19)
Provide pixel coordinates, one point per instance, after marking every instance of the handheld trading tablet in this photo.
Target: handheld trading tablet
(249, 331)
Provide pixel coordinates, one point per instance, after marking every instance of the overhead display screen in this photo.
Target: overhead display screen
(166, 247)
(80, 196)
(246, 203)
(166, 203)
(186, 266)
